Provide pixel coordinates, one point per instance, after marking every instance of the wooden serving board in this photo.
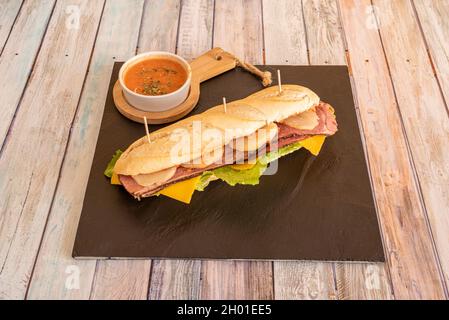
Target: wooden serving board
(205, 67)
(313, 208)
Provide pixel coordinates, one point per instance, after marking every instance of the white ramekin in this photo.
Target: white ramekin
(155, 103)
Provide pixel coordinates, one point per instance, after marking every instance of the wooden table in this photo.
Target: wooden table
(55, 64)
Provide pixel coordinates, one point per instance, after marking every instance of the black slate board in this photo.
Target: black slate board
(313, 208)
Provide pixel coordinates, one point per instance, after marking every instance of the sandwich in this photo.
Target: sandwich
(234, 143)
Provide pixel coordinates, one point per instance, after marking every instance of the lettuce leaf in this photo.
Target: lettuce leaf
(206, 177)
(110, 168)
(233, 177)
(248, 177)
(274, 155)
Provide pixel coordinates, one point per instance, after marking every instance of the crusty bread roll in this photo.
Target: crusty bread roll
(243, 117)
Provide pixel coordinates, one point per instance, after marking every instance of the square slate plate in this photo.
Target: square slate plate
(313, 208)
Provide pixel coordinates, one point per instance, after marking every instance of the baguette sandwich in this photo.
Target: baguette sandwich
(234, 143)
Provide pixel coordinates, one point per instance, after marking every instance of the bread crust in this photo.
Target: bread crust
(242, 118)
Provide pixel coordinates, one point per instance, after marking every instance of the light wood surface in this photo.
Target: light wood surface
(324, 37)
(237, 280)
(304, 280)
(9, 10)
(411, 72)
(435, 26)
(356, 281)
(55, 264)
(39, 139)
(400, 80)
(175, 279)
(18, 56)
(159, 26)
(244, 35)
(195, 28)
(284, 32)
(411, 258)
(127, 282)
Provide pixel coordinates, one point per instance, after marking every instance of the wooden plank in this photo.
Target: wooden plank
(362, 282)
(195, 28)
(180, 279)
(304, 281)
(435, 26)
(18, 56)
(159, 26)
(238, 280)
(286, 43)
(423, 111)
(238, 29)
(325, 43)
(30, 162)
(284, 32)
(243, 37)
(121, 280)
(175, 279)
(356, 281)
(408, 243)
(9, 10)
(116, 41)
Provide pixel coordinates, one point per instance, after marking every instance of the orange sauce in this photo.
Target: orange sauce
(155, 76)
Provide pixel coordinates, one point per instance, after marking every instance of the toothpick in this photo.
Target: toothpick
(279, 81)
(224, 104)
(146, 129)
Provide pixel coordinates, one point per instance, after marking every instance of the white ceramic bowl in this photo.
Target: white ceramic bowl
(156, 103)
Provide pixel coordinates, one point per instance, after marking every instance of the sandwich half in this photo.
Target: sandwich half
(234, 144)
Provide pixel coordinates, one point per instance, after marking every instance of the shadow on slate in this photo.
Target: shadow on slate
(313, 208)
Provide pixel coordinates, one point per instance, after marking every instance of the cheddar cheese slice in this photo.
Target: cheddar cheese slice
(313, 144)
(181, 191)
(115, 179)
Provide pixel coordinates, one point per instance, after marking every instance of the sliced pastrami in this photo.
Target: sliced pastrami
(327, 125)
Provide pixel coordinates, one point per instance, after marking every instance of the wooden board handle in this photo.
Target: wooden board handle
(211, 64)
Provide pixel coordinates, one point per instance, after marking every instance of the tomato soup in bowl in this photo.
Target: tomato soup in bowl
(155, 81)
